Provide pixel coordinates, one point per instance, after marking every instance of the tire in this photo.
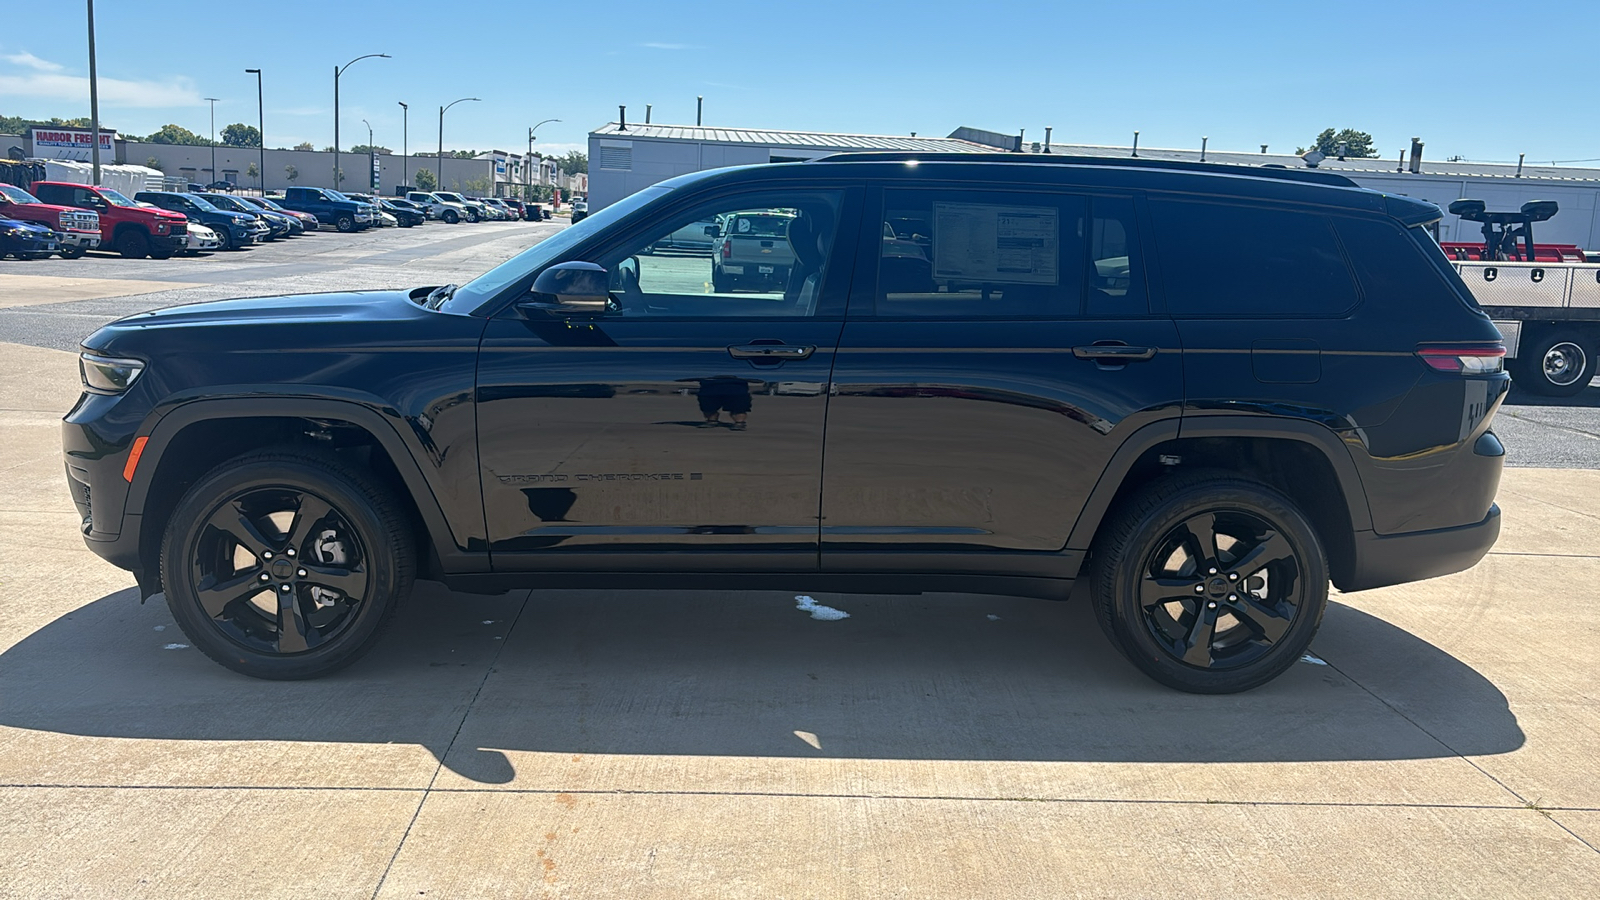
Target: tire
(222, 541)
(451, 216)
(74, 252)
(720, 283)
(1559, 364)
(133, 244)
(472, 215)
(224, 239)
(161, 254)
(1219, 639)
(345, 224)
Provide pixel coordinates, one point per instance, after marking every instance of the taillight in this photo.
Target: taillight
(1479, 359)
(727, 249)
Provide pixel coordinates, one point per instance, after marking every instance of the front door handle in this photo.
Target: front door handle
(774, 352)
(1114, 353)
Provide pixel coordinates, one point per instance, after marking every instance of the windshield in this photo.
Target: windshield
(227, 203)
(479, 290)
(201, 202)
(335, 195)
(116, 199)
(262, 201)
(17, 195)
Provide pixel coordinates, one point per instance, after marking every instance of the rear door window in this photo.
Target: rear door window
(1227, 260)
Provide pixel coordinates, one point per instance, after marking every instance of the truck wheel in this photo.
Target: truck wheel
(73, 252)
(1210, 583)
(285, 565)
(133, 244)
(224, 239)
(1560, 364)
(720, 283)
(472, 215)
(451, 216)
(345, 224)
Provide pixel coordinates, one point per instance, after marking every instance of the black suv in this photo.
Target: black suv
(1210, 390)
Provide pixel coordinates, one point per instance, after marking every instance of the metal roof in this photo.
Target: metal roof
(1353, 167)
(800, 140)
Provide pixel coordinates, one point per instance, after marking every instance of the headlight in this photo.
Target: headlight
(107, 375)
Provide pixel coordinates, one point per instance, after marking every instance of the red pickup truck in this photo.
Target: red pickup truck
(134, 231)
(79, 228)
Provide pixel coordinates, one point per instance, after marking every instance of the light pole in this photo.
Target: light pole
(529, 160)
(214, 177)
(370, 152)
(261, 128)
(441, 138)
(405, 140)
(337, 71)
(94, 100)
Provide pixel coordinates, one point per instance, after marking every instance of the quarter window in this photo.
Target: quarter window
(1224, 260)
(1116, 264)
(970, 255)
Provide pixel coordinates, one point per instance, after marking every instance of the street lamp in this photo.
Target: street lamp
(261, 128)
(405, 139)
(213, 100)
(528, 161)
(94, 100)
(337, 71)
(442, 109)
(370, 152)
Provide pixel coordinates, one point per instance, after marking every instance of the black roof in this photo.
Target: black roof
(1123, 162)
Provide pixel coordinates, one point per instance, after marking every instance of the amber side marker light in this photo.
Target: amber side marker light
(133, 458)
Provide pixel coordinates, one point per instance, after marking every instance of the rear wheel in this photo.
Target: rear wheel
(285, 566)
(1559, 364)
(1210, 583)
(133, 244)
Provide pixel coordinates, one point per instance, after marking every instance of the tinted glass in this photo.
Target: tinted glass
(1116, 264)
(16, 195)
(1391, 265)
(971, 255)
(1225, 260)
(763, 254)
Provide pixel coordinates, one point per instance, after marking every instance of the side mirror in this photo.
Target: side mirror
(573, 287)
(713, 231)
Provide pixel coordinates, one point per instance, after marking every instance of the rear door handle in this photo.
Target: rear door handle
(770, 351)
(1121, 353)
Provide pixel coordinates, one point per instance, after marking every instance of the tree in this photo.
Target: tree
(425, 180)
(1357, 144)
(241, 135)
(291, 173)
(305, 145)
(463, 154)
(476, 186)
(153, 163)
(19, 124)
(253, 171)
(371, 148)
(575, 162)
(177, 134)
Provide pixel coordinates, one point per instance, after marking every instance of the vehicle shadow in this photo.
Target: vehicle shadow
(1587, 398)
(938, 676)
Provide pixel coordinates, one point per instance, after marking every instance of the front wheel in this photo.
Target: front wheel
(1557, 365)
(1210, 583)
(73, 252)
(345, 224)
(286, 566)
(451, 216)
(472, 215)
(133, 244)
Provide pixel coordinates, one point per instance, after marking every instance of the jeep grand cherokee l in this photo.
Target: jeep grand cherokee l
(1209, 390)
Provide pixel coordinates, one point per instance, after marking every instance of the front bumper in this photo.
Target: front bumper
(1384, 559)
(88, 240)
(30, 242)
(173, 242)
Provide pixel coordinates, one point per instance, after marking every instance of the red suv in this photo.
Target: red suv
(134, 231)
(79, 228)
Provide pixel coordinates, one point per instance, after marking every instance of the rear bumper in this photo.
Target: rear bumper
(1385, 559)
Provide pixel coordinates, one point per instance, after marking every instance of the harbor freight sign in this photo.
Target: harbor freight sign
(68, 143)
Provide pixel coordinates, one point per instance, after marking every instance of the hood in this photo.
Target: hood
(40, 207)
(156, 212)
(22, 226)
(300, 309)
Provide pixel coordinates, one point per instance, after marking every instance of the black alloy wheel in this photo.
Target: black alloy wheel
(345, 224)
(133, 244)
(285, 566)
(1210, 583)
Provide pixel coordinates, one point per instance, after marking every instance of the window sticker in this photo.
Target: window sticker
(996, 244)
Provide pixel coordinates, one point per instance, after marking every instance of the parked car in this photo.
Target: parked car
(404, 212)
(201, 240)
(534, 212)
(329, 206)
(489, 211)
(131, 230)
(471, 211)
(221, 186)
(274, 225)
(580, 210)
(27, 240)
(694, 238)
(506, 211)
(308, 222)
(77, 230)
(516, 206)
(1307, 395)
(437, 207)
(234, 230)
(751, 250)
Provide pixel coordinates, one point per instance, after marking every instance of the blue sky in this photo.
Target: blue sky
(1243, 74)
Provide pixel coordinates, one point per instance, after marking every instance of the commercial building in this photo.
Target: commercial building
(626, 158)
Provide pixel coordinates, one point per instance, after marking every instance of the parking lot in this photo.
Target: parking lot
(1439, 740)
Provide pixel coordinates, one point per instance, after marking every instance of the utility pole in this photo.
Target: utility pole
(530, 142)
(94, 101)
(372, 155)
(214, 177)
(337, 71)
(405, 141)
(261, 128)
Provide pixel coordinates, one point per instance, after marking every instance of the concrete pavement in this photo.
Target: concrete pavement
(685, 744)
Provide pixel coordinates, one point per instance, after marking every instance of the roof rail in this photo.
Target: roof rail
(1001, 156)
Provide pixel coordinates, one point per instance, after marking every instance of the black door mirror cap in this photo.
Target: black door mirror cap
(571, 288)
